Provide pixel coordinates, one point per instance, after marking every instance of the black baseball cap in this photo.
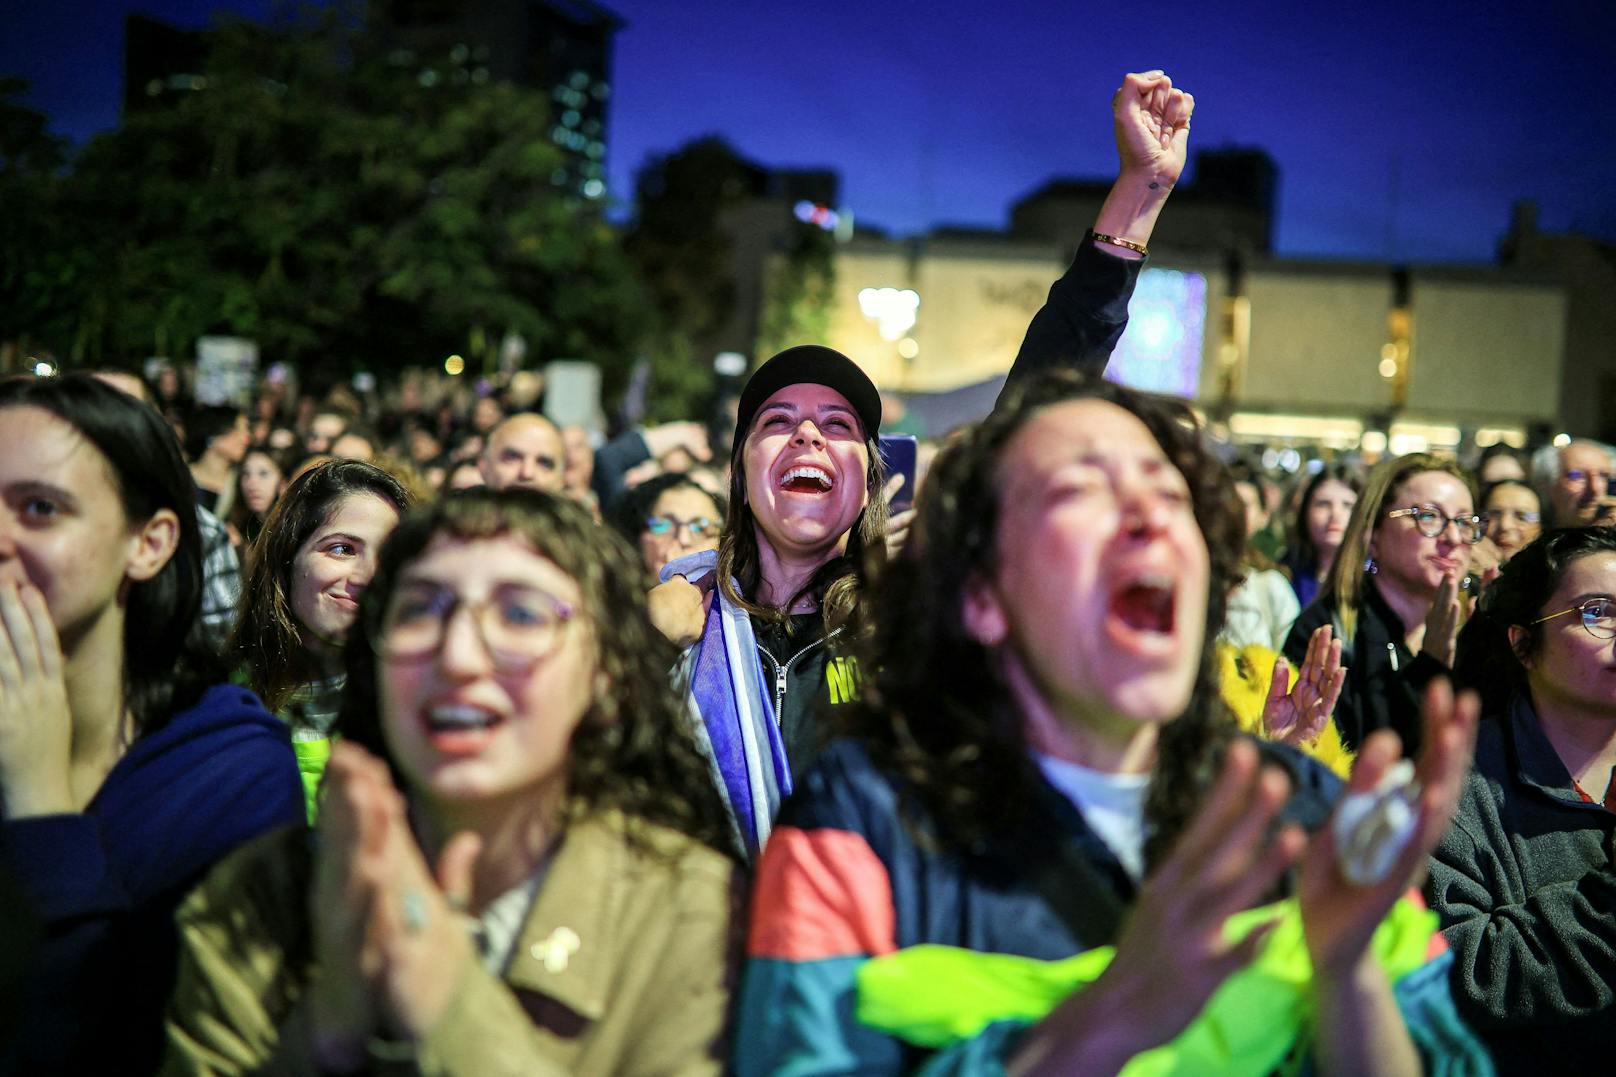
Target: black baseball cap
(810, 364)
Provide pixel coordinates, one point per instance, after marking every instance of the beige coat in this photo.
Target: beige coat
(624, 965)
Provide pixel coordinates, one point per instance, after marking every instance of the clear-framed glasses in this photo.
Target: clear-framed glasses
(1598, 616)
(1432, 521)
(1520, 517)
(520, 626)
(699, 528)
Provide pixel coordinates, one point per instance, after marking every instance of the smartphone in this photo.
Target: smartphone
(898, 458)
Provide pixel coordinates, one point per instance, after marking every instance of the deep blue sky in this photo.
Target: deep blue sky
(1402, 130)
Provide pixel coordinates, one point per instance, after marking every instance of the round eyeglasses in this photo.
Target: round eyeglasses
(1598, 617)
(519, 626)
(1432, 522)
(699, 528)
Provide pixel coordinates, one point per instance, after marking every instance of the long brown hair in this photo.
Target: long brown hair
(268, 641)
(1343, 589)
(836, 587)
(936, 709)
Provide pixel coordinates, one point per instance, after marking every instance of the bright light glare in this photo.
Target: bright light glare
(893, 311)
(44, 370)
(1562, 440)
(908, 347)
(1388, 368)
(454, 365)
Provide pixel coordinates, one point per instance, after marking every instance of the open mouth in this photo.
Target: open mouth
(1146, 605)
(807, 479)
(460, 729)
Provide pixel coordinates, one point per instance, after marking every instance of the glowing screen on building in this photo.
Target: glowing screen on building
(1161, 351)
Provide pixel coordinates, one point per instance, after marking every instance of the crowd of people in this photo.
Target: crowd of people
(408, 730)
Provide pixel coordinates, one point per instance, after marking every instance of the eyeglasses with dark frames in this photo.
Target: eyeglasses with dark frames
(1432, 522)
(519, 625)
(1598, 616)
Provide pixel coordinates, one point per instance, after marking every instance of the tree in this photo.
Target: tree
(337, 208)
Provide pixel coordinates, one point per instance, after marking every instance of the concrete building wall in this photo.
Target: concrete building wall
(1315, 342)
(1486, 350)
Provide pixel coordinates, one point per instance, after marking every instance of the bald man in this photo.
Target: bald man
(524, 450)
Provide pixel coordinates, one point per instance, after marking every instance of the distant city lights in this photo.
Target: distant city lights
(819, 216)
(893, 311)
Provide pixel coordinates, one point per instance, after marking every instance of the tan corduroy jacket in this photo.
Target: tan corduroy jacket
(624, 965)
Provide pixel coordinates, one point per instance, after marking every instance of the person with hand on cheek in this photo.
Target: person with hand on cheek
(808, 499)
(127, 768)
(517, 867)
(1039, 846)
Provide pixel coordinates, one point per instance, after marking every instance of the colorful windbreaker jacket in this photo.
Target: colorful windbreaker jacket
(849, 876)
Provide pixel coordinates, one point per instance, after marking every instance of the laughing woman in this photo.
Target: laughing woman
(771, 657)
(526, 884)
(1031, 779)
(127, 768)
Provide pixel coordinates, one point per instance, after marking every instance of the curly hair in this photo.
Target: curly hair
(1343, 589)
(837, 586)
(1487, 661)
(937, 712)
(633, 751)
(268, 641)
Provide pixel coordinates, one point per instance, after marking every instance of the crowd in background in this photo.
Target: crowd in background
(358, 730)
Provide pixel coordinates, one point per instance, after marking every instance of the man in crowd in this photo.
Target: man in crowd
(1575, 483)
(523, 450)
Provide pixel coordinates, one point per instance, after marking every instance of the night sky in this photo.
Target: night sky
(1403, 131)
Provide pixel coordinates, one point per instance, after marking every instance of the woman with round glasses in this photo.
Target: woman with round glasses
(1393, 596)
(1524, 881)
(667, 518)
(515, 869)
(1514, 516)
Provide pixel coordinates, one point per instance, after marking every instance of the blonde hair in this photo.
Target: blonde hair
(1344, 588)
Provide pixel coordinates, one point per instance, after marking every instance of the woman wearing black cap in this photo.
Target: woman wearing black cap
(807, 503)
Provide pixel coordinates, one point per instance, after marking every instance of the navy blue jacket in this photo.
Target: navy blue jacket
(103, 884)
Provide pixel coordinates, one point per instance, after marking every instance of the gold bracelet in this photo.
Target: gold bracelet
(1117, 241)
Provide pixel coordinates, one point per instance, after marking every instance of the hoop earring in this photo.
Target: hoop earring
(1369, 565)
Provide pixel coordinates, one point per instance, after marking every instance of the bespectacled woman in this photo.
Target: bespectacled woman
(1394, 596)
(516, 868)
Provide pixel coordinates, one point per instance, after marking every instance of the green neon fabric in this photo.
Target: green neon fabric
(936, 996)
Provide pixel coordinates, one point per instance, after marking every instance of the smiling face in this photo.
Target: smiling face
(1409, 561)
(1573, 671)
(1328, 511)
(806, 465)
(62, 525)
(333, 566)
(1100, 592)
(261, 482)
(1513, 518)
(460, 729)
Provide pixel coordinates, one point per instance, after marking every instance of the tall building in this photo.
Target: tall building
(563, 47)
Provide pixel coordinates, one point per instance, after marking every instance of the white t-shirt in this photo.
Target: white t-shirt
(1112, 804)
